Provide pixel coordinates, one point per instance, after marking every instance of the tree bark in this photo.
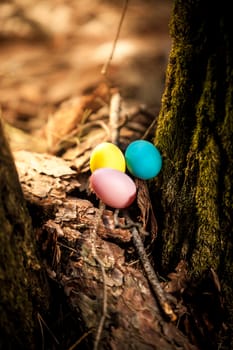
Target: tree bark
(20, 284)
(194, 134)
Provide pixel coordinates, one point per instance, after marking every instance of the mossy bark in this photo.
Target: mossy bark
(19, 267)
(194, 134)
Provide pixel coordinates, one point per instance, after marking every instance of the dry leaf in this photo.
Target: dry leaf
(42, 175)
(71, 116)
(42, 163)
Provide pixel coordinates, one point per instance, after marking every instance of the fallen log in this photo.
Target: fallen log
(100, 274)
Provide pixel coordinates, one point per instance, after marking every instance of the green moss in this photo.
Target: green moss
(208, 242)
(194, 134)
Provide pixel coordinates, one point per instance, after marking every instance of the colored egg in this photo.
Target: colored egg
(143, 159)
(115, 188)
(107, 155)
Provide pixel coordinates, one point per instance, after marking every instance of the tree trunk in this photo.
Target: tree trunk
(19, 267)
(194, 134)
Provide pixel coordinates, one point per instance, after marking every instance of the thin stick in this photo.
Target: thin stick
(149, 270)
(135, 227)
(80, 340)
(42, 330)
(115, 106)
(115, 109)
(98, 260)
(149, 129)
(106, 65)
(42, 322)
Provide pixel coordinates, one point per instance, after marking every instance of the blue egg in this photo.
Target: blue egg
(143, 159)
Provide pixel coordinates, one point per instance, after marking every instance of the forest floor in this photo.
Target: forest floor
(53, 96)
(53, 50)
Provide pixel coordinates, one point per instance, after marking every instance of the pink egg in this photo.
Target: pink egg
(113, 187)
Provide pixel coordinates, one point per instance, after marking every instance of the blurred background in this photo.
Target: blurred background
(52, 50)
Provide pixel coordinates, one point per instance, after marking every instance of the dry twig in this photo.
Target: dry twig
(105, 67)
(135, 227)
(150, 272)
(98, 260)
(41, 324)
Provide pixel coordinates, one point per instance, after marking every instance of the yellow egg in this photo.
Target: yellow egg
(107, 155)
